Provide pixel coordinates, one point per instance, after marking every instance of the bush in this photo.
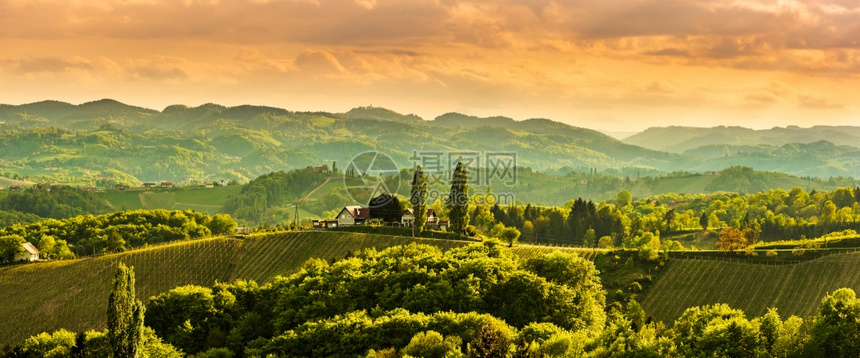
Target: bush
(431, 344)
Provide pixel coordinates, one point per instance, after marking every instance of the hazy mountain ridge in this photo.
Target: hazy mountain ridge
(817, 159)
(541, 143)
(242, 142)
(679, 139)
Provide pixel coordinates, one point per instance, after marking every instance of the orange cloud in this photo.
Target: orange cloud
(652, 61)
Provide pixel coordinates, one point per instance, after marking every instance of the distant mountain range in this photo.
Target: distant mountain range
(682, 139)
(109, 139)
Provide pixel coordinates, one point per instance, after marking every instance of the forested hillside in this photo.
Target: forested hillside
(106, 142)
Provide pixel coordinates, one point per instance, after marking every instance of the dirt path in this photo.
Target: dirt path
(307, 197)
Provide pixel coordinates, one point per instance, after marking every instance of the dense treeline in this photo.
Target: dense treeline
(475, 301)
(11, 217)
(91, 234)
(263, 200)
(483, 278)
(625, 222)
(56, 201)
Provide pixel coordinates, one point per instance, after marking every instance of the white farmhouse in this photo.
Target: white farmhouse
(31, 253)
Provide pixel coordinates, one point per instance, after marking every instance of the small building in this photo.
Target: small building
(353, 215)
(167, 184)
(323, 170)
(223, 182)
(431, 217)
(15, 187)
(148, 185)
(31, 253)
(440, 225)
(243, 230)
(408, 218)
(121, 187)
(325, 224)
(90, 189)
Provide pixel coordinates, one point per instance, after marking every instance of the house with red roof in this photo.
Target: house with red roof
(353, 215)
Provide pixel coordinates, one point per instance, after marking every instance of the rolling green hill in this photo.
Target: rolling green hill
(107, 142)
(73, 294)
(212, 141)
(210, 200)
(6, 182)
(795, 289)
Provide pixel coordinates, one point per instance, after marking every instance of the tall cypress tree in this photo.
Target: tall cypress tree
(458, 200)
(125, 316)
(418, 199)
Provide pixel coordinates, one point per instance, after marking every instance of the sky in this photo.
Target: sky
(612, 65)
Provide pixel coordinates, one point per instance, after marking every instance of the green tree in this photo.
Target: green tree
(836, 332)
(770, 329)
(125, 316)
(623, 198)
(489, 343)
(717, 331)
(650, 250)
(114, 242)
(509, 235)
(222, 224)
(843, 197)
(431, 344)
(669, 218)
(528, 231)
(458, 199)
(418, 199)
(605, 242)
(703, 221)
(11, 246)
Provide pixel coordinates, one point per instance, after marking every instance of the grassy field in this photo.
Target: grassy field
(203, 200)
(6, 182)
(795, 289)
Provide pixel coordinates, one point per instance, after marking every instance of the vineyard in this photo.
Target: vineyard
(73, 294)
(528, 251)
(795, 289)
(210, 200)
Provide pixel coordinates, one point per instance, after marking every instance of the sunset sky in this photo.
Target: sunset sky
(617, 65)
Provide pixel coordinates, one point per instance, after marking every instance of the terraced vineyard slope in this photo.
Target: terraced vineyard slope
(74, 294)
(795, 289)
